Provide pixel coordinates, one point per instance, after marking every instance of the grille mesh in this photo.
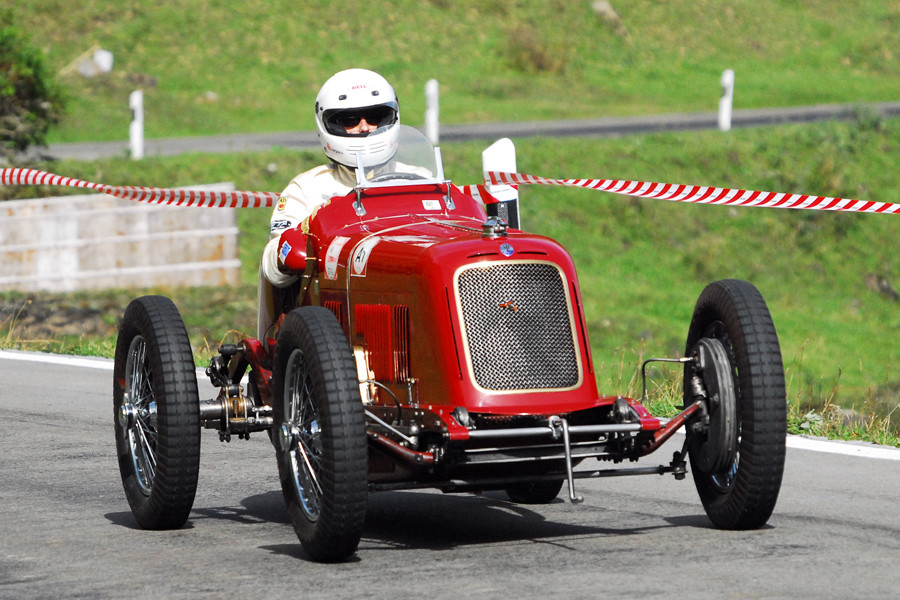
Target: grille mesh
(517, 326)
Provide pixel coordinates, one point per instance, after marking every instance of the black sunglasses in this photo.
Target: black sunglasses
(378, 116)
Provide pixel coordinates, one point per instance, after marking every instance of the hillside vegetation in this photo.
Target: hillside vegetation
(830, 279)
(255, 65)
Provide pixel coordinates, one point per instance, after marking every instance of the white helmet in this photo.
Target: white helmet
(343, 100)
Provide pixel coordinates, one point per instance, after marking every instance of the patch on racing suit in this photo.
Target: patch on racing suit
(282, 202)
(280, 224)
(285, 250)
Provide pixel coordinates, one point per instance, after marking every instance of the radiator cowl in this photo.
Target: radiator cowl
(518, 326)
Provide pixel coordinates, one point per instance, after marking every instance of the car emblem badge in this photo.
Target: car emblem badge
(507, 249)
(509, 304)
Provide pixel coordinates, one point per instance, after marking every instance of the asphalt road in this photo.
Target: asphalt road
(66, 530)
(598, 127)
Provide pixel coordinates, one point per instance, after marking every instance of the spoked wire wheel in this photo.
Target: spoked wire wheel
(304, 453)
(737, 465)
(157, 413)
(138, 415)
(321, 446)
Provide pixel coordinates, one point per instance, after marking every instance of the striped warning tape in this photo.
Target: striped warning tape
(642, 189)
(169, 196)
(480, 193)
(699, 194)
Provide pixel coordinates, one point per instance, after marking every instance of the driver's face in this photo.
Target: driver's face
(362, 127)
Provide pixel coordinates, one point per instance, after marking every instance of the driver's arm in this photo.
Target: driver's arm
(293, 206)
(298, 200)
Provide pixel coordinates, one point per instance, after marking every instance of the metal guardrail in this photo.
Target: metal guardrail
(602, 127)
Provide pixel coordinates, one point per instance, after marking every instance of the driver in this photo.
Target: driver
(357, 114)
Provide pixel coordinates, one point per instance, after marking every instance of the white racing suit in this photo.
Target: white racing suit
(304, 194)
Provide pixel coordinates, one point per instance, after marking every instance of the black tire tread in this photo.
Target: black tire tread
(336, 534)
(749, 502)
(175, 388)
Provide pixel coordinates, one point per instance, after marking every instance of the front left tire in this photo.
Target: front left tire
(321, 445)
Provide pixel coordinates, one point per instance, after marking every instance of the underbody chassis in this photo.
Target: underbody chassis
(537, 453)
(448, 448)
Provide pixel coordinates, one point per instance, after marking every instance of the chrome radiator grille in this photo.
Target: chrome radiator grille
(517, 326)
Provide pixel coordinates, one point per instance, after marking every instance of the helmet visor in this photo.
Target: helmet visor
(338, 122)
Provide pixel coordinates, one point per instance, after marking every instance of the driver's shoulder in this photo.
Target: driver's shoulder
(316, 172)
(322, 177)
(328, 173)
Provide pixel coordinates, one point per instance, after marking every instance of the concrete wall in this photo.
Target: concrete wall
(95, 241)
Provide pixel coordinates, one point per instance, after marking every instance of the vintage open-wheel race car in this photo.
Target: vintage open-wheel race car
(428, 343)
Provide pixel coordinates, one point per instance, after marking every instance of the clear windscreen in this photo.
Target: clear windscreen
(416, 162)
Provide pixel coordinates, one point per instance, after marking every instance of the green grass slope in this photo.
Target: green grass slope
(255, 65)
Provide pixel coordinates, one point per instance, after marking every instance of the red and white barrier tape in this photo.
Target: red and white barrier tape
(479, 192)
(699, 194)
(174, 197)
(641, 189)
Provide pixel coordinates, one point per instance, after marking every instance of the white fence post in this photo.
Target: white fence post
(432, 93)
(136, 129)
(725, 102)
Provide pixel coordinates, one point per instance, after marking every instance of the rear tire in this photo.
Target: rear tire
(157, 413)
(321, 446)
(743, 493)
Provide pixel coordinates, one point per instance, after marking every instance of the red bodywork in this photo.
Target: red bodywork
(470, 342)
(411, 268)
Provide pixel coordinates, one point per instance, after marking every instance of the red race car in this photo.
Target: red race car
(428, 343)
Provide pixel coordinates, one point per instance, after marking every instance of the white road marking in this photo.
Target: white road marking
(863, 449)
(85, 362)
(59, 359)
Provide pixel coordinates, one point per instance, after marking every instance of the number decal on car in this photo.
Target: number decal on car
(333, 254)
(361, 255)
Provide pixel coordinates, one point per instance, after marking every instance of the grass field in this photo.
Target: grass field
(255, 65)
